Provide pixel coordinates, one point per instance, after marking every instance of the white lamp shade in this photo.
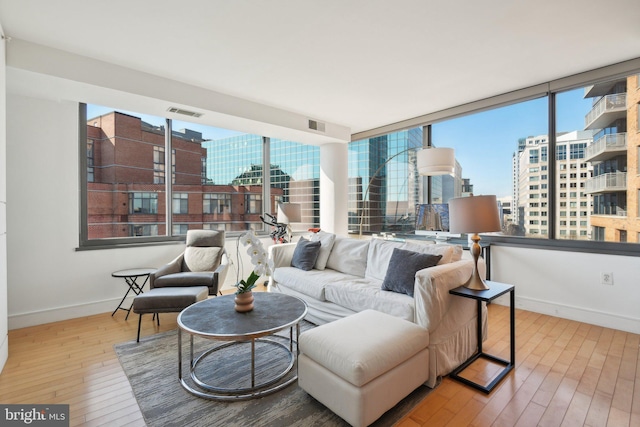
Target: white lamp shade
(288, 213)
(475, 214)
(436, 161)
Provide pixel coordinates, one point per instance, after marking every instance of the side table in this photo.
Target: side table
(496, 290)
(131, 276)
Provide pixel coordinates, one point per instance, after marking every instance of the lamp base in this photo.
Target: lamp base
(476, 282)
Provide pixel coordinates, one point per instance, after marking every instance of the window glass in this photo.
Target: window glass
(599, 152)
(295, 178)
(384, 185)
(225, 169)
(518, 157)
(122, 197)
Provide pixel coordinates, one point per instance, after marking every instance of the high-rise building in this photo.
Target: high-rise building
(572, 172)
(615, 185)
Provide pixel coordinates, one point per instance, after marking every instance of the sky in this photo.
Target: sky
(484, 142)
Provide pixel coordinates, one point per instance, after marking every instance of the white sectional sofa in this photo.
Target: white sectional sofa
(347, 279)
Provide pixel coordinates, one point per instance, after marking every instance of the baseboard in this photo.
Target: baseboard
(580, 314)
(23, 320)
(4, 351)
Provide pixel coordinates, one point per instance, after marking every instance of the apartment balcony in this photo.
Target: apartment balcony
(607, 147)
(608, 109)
(602, 88)
(607, 183)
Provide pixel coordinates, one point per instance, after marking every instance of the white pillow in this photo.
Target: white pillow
(326, 244)
(349, 256)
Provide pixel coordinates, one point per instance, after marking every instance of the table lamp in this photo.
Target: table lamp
(474, 214)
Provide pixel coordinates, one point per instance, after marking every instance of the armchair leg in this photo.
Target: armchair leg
(158, 318)
(139, 325)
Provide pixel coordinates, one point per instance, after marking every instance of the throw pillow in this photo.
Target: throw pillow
(402, 269)
(305, 254)
(326, 244)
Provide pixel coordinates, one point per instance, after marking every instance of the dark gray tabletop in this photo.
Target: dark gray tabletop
(216, 317)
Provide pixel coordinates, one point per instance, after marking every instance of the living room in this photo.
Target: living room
(48, 279)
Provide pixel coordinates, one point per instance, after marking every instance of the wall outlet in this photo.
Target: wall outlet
(606, 278)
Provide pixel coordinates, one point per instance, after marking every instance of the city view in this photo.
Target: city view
(218, 176)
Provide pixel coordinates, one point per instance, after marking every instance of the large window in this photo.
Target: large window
(217, 178)
(506, 151)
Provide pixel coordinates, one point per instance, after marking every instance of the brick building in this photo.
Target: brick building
(126, 183)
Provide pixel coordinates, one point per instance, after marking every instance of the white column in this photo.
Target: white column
(334, 188)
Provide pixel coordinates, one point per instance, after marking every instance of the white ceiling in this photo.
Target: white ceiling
(357, 63)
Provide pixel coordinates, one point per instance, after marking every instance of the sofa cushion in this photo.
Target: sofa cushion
(305, 254)
(349, 256)
(380, 252)
(326, 244)
(401, 272)
(311, 283)
(362, 293)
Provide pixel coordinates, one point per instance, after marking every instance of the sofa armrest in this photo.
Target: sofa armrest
(282, 254)
(431, 292)
(172, 267)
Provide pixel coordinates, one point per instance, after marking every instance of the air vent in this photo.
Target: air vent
(184, 112)
(314, 125)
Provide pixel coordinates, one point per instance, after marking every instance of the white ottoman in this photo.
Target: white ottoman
(364, 364)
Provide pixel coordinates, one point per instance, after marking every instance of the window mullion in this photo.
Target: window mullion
(168, 178)
(266, 177)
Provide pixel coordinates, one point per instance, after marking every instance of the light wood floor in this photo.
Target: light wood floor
(567, 373)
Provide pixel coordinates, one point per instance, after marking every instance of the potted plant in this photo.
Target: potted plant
(262, 266)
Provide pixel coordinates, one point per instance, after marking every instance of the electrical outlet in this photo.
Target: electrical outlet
(606, 278)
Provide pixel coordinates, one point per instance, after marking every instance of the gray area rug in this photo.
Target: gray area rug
(152, 369)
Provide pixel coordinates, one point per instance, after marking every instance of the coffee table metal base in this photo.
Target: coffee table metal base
(215, 392)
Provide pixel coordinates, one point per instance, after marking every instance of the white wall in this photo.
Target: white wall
(567, 285)
(4, 339)
(48, 279)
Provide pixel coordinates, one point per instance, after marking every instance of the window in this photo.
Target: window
(561, 154)
(141, 230)
(577, 152)
(123, 198)
(384, 185)
(180, 204)
(143, 203)
(158, 165)
(253, 203)
(90, 171)
(215, 203)
(295, 178)
(180, 229)
(534, 156)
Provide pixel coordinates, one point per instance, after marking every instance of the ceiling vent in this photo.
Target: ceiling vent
(184, 112)
(315, 125)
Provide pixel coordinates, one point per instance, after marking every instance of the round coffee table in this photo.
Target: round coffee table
(216, 319)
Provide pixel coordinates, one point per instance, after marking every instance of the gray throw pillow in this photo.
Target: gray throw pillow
(305, 254)
(402, 269)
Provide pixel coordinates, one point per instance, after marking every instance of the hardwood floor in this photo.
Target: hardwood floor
(567, 374)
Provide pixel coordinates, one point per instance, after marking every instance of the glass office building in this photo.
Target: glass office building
(384, 185)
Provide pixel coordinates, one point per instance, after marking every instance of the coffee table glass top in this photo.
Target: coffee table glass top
(216, 317)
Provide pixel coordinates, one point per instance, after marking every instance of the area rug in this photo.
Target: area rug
(152, 369)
